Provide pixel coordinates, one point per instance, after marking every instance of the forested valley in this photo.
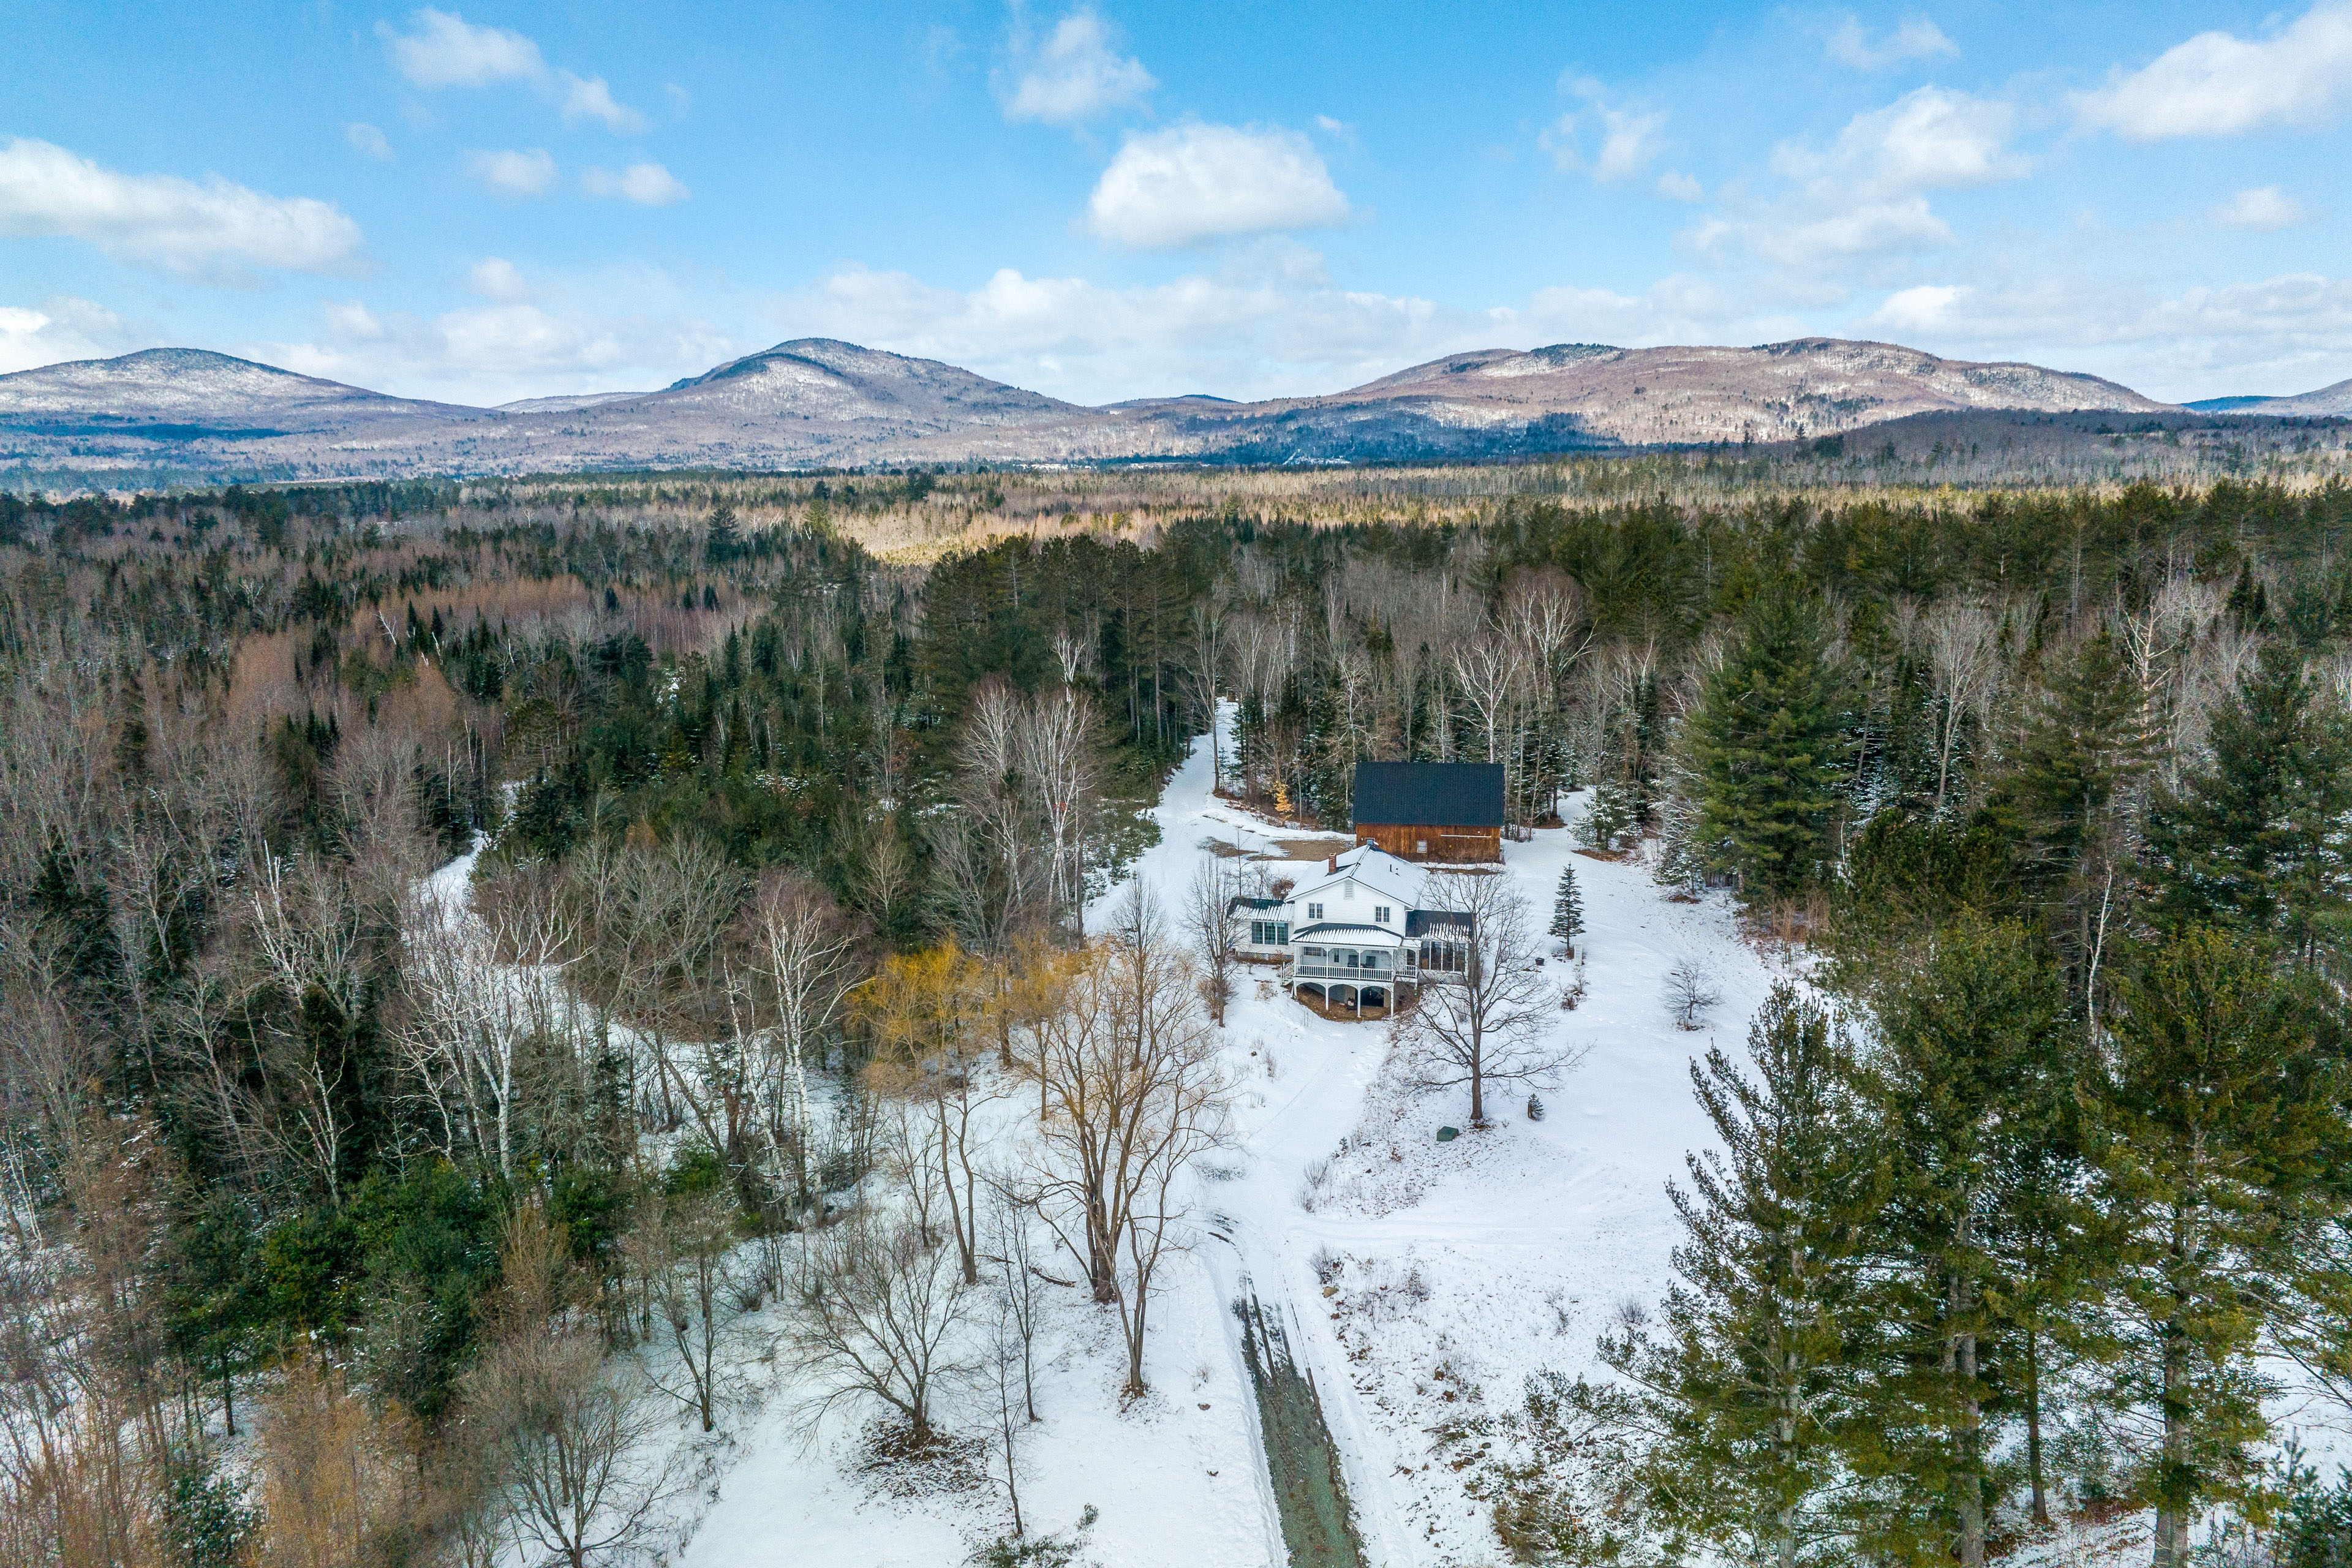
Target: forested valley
(496, 990)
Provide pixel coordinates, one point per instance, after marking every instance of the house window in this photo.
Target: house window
(1269, 933)
(1312, 954)
(1380, 914)
(1314, 911)
(1421, 845)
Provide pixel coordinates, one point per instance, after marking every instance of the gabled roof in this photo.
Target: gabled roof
(1332, 931)
(1371, 868)
(1430, 795)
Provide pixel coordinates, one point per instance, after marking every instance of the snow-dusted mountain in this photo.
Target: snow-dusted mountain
(199, 388)
(816, 401)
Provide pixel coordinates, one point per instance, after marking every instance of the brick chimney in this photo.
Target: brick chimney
(1332, 867)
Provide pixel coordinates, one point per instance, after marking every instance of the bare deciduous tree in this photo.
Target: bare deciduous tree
(577, 1447)
(1215, 925)
(684, 1247)
(1690, 990)
(1134, 1093)
(1964, 665)
(1477, 1019)
(875, 1313)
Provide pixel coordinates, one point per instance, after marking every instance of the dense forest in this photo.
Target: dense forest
(463, 950)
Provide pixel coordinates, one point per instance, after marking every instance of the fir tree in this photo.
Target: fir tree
(1567, 908)
(2212, 1130)
(1745, 1380)
(1769, 742)
(2085, 745)
(2253, 840)
(1965, 1076)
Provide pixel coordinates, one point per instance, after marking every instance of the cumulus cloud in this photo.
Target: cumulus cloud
(496, 278)
(2218, 84)
(1864, 195)
(1074, 74)
(1916, 38)
(2263, 210)
(217, 231)
(1193, 182)
(62, 328)
(514, 173)
(367, 139)
(2285, 333)
(1268, 322)
(624, 328)
(1677, 186)
(443, 49)
(1627, 139)
(1929, 307)
(647, 184)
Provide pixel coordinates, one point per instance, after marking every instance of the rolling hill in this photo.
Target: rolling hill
(820, 402)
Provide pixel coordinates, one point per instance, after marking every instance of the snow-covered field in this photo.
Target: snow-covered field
(1463, 1268)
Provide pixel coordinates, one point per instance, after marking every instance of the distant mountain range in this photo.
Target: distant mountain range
(2326, 402)
(816, 402)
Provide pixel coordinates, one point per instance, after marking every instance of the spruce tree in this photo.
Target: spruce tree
(2086, 743)
(1966, 1078)
(1769, 742)
(2212, 1130)
(1567, 908)
(1746, 1378)
(2253, 841)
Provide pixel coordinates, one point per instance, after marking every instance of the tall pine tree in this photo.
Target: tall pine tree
(2212, 1129)
(1770, 739)
(1746, 1378)
(1965, 1076)
(2255, 840)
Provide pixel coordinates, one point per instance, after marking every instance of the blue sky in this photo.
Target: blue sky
(486, 201)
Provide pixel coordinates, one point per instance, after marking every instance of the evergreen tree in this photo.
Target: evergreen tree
(2085, 746)
(1745, 1379)
(2211, 1131)
(1769, 742)
(725, 540)
(1965, 1077)
(2254, 840)
(1567, 908)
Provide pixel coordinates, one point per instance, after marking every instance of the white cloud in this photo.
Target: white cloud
(63, 328)
(1268, 322)
(514, 173)
(1930, 138)
(2283, 334)
(447, 50)
(587, 98)
(1925, 309)
(2216, 84)
(1677, 186)
(1863, 197)
(1075, 75)
(496, 278)
(367, 139)
(1916, 39)
(1628, 138)
(647, 184)
(624, 328)
(216, 231)
(2263, 210)
(1193, 183)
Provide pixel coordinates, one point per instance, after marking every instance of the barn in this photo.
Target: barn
(1430, 811)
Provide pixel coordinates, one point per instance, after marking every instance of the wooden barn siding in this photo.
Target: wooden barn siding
(1444, 843)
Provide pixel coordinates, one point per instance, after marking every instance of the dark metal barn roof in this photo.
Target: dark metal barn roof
(1429, 794)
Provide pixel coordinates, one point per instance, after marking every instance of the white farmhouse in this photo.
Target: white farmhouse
(1356, 930)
